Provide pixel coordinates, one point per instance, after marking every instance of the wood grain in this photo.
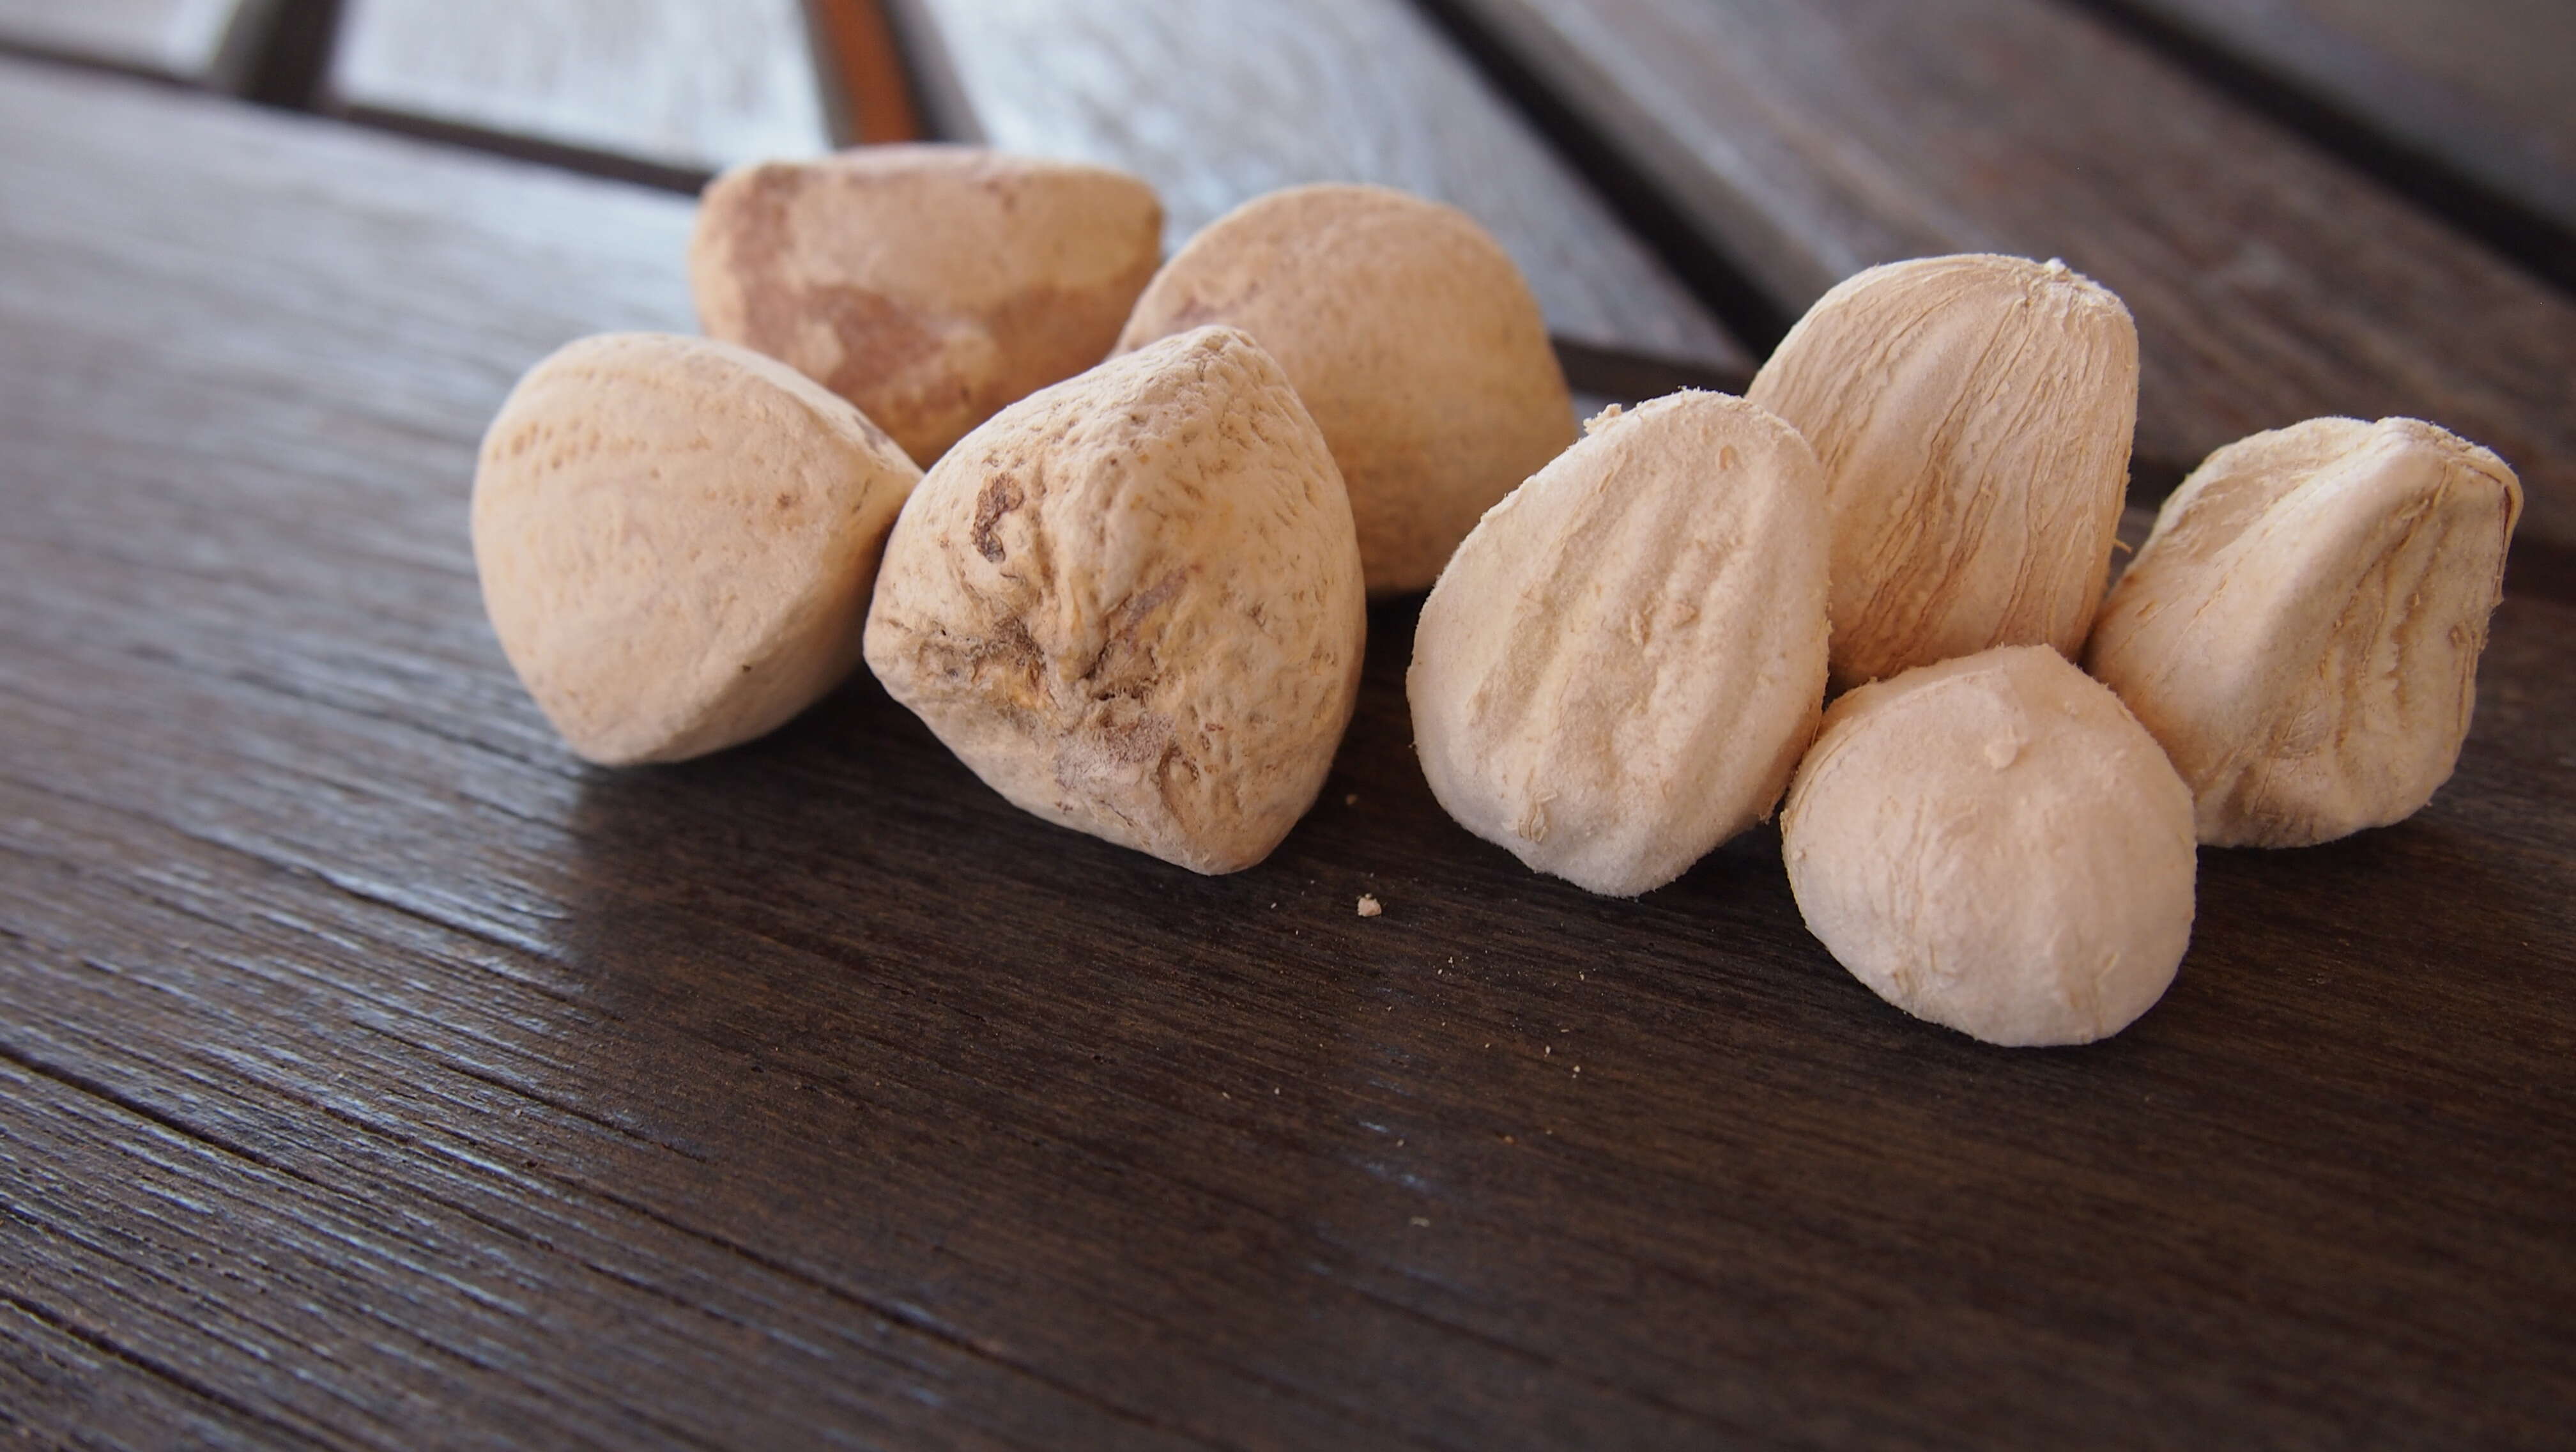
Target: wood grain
(2480, 85)
(1216, 103)
(2270, 283)
(683, 86)
(372, 1074)
(201, 41)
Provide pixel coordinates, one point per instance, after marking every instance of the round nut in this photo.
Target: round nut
(1994, 844)
(676, 540)
(930, 285)
(2302, 629)
(1411, 337)
(1131, 603)
(1974, 416)
(1622, 663)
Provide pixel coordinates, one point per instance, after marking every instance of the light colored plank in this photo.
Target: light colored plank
(684, 85)
(2270, 282)
(1215, 103)
(185, 39)
(2482, 85)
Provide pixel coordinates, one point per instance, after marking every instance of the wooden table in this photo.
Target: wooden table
(374, 1074)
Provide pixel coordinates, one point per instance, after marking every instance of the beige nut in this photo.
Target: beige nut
(1995, 845)
(1411, 337)
(1974, 416)
(1132, 603)
(676, 540)
(930, 285)
(2302, 628)
(1622, 663)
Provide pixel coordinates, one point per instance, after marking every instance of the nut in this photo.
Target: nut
(676, 540)
(1620, 666)
(1132, 604)
(1994, 844)
(1410, 336)
(2302, 629)
(930, 285)
(1973, 415)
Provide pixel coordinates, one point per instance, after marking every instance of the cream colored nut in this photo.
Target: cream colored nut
(930, 285)
(1995, 845)
(2302, 629)
(1132, 604)
(1411, 337)
(676, 540)
(1974, 416)
(1621, 665)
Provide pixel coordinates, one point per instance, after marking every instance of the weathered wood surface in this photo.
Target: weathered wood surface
(679, 87)
(2487, 87)
(200, 41)
(1216, 103)
(2270, 283)
(373, 1075)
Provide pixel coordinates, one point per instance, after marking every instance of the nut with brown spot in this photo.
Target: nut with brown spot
(1132, 604)
(1412, 338)
(676, 540)
(1974, 416)
(930, 285)
(1995, 844)
(2302, 629)
(1622, 663)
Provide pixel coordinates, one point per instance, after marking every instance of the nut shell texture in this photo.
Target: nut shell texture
(930, 285)
(1132, 603)
(1623, 662)
(1994, 844)
(1410, 335)
(677, 539)
(1974, 416)
(2302, 629)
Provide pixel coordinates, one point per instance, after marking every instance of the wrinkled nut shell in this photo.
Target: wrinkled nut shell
(1412, 338)
(1973, 415)
(1995, 845)
(676, 540)
(1621, 665)
(2302, 629)
(930, 285)
(1132, 603)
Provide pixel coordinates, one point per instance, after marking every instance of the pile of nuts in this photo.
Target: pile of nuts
(1131, 594)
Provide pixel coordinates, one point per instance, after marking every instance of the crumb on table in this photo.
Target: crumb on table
(1369, 905)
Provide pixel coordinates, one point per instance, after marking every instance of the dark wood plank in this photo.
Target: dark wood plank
(1215, 104)
(2481, 86)
(2270, 283)
(205, 42)
(371, 1073)
(683, 87)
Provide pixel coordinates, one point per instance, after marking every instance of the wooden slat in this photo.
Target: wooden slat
(680, 87)
(200, 41)
(1215, 103)
(2487, 87)
(373, 1075)
(2270, 283)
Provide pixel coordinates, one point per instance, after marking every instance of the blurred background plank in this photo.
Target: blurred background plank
(663, 90)
(1215, 103)
(2270, 282)
(204, 42)
(2487, 87)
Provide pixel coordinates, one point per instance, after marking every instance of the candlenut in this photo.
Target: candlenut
(2302, 629)
(1973, 415)
(1411, 336)
(1131, 603)
(676, 540)
(930, 285)
(1621, 665)
(1994, 844)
